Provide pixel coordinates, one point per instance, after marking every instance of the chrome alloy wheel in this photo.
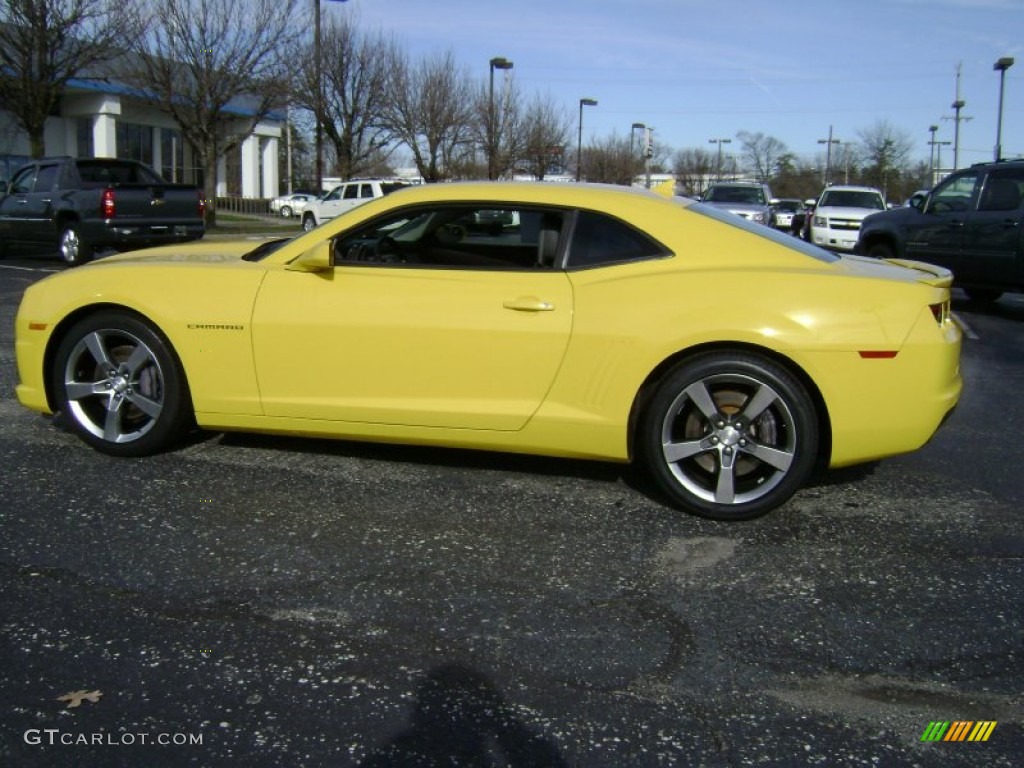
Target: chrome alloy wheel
(114, 385)
(729, 438)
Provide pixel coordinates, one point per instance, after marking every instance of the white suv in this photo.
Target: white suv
(346, 196)
(835, 223)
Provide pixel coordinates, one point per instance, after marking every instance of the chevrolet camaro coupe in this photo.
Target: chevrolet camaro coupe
(726, 359)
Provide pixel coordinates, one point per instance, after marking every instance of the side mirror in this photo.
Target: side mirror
(917, 201)
(319, 258)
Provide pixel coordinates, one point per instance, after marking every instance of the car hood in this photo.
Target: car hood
(210, 251)
(846, 213)
(738, 206)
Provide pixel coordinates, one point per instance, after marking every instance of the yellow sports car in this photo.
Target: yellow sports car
(558, 319)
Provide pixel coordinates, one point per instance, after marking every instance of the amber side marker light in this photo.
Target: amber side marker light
(878, 354)
(37, 326)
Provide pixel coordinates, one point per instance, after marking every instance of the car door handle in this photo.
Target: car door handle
(529, 304)
(1010, 223)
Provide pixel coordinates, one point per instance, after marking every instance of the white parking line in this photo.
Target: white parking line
(29, 269)
(970, 334)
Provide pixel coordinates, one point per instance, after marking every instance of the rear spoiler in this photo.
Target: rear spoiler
(940, 277)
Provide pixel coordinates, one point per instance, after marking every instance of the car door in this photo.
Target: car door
(992, 239)
(937, 234)
(19, 217)
(418, 344)
(331, 205)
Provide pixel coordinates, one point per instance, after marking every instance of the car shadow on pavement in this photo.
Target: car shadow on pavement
(460, 718)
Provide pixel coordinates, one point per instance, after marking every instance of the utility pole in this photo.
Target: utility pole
(957, 119)
(828, 154)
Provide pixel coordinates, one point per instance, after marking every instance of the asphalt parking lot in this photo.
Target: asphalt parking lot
(269, 601)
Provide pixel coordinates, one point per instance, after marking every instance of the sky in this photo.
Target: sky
(697, 70)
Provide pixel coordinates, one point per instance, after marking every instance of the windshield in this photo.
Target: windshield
(751, 195)
(762, 231)
(845, 198)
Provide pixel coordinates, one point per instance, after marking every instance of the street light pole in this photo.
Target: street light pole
(632, 136)
(318, 98)
(931, 160)
(579, 140)
(1001, 66)
(720, 142)
(498, 62)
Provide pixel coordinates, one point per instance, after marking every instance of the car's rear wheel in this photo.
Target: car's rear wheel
(983, 295)
(73, 249)
(729, 435)
(120, 385)
(881, 251)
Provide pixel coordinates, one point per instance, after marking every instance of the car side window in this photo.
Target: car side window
(335, 194)
(600, 239)
(366, 190)
(460, 236)
(351, 191)
(23, 181)
(956, 194)
(1002, 192)
(46, 180)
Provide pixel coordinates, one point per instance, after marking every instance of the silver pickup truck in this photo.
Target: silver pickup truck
(83, 205)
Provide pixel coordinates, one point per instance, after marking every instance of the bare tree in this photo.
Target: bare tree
(430, 110)
(762, 154)
(694, 168)
(46, 43)
(546, 130)
(355, 68)
(218, 67)
(886, 150)
(497, 124)
(609, 161)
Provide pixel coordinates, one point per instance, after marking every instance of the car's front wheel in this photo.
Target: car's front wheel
(729, 435)
(308, 222)
(286, 211)
(120, 385)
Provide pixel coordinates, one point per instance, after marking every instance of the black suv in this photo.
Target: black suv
(972, 223)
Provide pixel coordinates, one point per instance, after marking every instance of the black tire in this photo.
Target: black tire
(308, 222)
(286, 211)
(983, 295)
(734, 410)
(881, 251)
(73, 249)
(120, 385)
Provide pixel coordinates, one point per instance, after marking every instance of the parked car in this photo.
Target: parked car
(970, 223)
(744, 198)
(838, 214)
(782, 212)
(293, 204)
(82, 205)
(345, 197)
(593, 328)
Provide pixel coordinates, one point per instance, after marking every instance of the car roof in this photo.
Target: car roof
(850, 188)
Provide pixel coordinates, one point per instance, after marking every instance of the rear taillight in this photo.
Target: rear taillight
(940, 311)
(107, 208)
(202, 205)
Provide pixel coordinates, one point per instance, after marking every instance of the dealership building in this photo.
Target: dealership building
(100, 118)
